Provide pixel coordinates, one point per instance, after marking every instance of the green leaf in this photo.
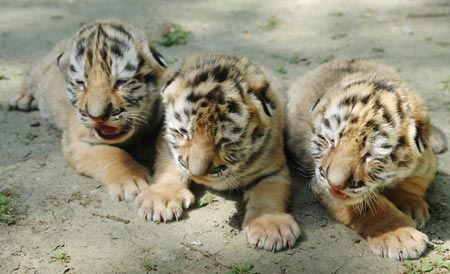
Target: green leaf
(281, 70)
(175, 36)
(327, 58)
(248, 266)
(443, 264)
(407, 263)
(294, 60)
(425, 266)
(206, 199)
(31, 136)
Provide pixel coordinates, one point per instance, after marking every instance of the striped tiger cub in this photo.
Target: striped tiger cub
(366, 139)
(224, 129)
(101, 88)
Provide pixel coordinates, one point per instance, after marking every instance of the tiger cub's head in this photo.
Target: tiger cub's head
(220, 113)
(113, 79)
(367, 134)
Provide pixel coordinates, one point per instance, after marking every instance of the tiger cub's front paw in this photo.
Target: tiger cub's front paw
(23, 100)
(163, 202)
(273, 231)
(125, 185)
(400, 244)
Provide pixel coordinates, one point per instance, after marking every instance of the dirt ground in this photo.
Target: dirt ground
(62, 222)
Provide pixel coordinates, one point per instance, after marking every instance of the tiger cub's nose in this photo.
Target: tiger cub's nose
(99, 119)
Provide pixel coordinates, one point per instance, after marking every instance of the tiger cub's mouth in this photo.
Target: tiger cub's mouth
(111, 133)
(337, 193)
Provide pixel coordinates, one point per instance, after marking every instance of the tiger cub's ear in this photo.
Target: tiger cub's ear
(158, 57)
(62, 62)
(261, 93)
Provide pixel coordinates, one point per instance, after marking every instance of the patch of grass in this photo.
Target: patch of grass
(379, 50)
(206, 199)
(271, 23)
(294, 60)
(5, 209)
(3, 77)
(425, 265)
(327, 58)
(31, 136)
(339, 36)
(150, 267)
(440, 249)
(60, 257)
(446, 84)
(12, 108)
(174, 35)
(281, 70)
(245, 269)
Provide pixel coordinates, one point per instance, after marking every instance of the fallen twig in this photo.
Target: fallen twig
(111, 217)
(205, 254)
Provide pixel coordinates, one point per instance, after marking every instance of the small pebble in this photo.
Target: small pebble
(197, 243)
(35, 124)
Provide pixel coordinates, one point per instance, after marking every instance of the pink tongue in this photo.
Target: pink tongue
(106, 130)
(337, 193)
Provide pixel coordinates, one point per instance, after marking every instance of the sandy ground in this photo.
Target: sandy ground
(57, 211)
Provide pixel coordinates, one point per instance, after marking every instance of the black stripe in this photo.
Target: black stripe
(348, 101)
(158, 57)
(401, 141)
(177, 116)
(132, 101)
(199, 78)
(233, 107)
(72, 68)
(326, 123)
(145, 78)
(121, 29)
(417, 139)
(378, 85)
(130, 67)
(388, 117)
(315, 104)
(365, 99)
(257, 133)
(220, 73)
(89, 56)
(117, 50)
(261, 94)
(141, 61)
(194, 97)
(262, 177)
(79, 48)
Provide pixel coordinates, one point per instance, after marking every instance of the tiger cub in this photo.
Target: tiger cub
(224, 129)
(101, 88)
(366, 137)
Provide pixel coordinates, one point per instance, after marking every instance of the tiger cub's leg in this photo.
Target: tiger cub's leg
(165, 199)
(266, 223)
(123, 176)
(388, 231)
(23, 100)
(408, 197)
